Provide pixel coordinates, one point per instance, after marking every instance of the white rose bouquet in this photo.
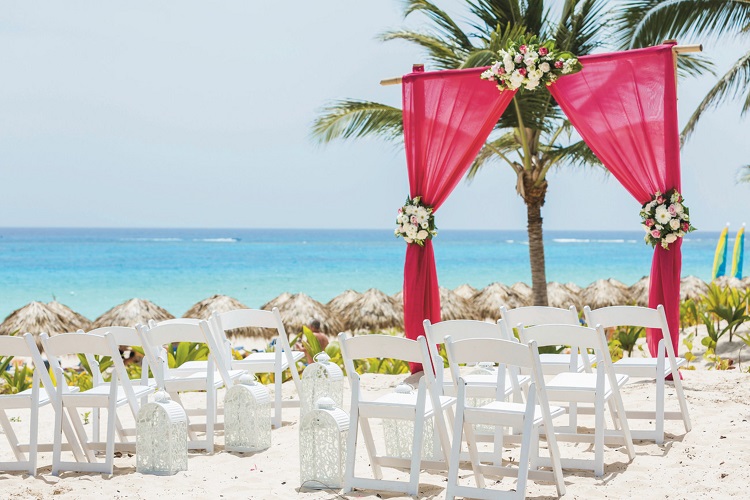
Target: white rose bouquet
(528, 64)
(415, 222)
(665, 218)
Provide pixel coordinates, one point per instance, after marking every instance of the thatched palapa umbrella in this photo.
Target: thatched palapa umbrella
(488, 301)
(466, 291)
(374, 310)
(729, 281)
(277, 301)
(524, 291)
(220, 304)
(603, 293)
(340, 304)
(692, 288)
(35, 318)
(131, 312)
(563, 296)
(79, 320)
(453, 306)
(299, 310)
(639, 291)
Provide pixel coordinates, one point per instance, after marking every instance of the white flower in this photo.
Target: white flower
(658, 226)
(529, 62)
(532, 84)
(646, 228)
(488, 74)
(662, 215)
(670, 238)
(680, 234)
(675, 197)
(544, 67)
(509, 66)
(423, 234)
(678, 206)
(664, 244)
(424, 225)
(408, 240)
(674, 224)
(518, 59)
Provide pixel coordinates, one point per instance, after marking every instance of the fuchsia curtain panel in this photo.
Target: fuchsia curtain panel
(624, 105)
(448, 115)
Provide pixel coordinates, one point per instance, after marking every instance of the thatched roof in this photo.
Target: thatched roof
(524, 291)
(729, 281)
(453, 306)
(639, 291)
(373, 311)
(131, 312)
(35, 318)
(692, 288)
(82, 322)
(488, 300)
(221, 304)
(559, 295)
(399, 297)
(603, 293)
(573, 287)
(299, 310)
(340, 304)
(277, 301)
(466, 291)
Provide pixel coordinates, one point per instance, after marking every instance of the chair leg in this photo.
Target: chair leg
(11, 436)
(377, 472)
(455, 456)
(210, 418)
(110, 447)
(681, 399)
(278, 376)
(523, 460)
(33, 439)
(599, 436)
(57, 442)
(659, 417)
(351, 443)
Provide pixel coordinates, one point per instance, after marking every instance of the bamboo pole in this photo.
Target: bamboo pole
(677, 49)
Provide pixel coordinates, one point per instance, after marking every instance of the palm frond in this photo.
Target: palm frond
(499, 39)
(733, 84)
(577, 154)
(350, 118)
(446, 27)
(647, 22)
(694, 64)
(743, 175)
(494, 150)
(443, 55)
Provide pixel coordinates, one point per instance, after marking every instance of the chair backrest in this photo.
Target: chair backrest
(25, 347)
(638, 316)
(156, 337)
(536, 315)
(248, 318)
(384, 346)
(123, 335)
(457, 329)
(581, 337)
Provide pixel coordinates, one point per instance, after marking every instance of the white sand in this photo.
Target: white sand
(709, 462)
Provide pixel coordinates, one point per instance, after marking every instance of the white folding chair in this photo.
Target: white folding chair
(529, 416)
(416, 407)
(282, 359)
(31, 399)
(666, 363)
(202, 377)
(552, 364)
(599, 388)
(118, 392)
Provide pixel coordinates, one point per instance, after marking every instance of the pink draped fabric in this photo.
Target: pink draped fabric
(448, 115)
(624, 105)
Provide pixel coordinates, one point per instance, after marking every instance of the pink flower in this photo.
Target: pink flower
(672, 210)
(655, 233)
(522, 49)
(660, 199)
(414, 219)
(685, 226)
(558, 64)
(543, 51)
(522, 71)
(501, 71)
(400, 210)
(649, 222)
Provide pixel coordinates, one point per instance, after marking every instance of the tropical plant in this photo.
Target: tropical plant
(186, 351)
(648, 22)
(728, 305)
(17, 380)
(532, 136)
(628, 336)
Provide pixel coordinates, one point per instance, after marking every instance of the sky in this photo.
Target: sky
(198, 114)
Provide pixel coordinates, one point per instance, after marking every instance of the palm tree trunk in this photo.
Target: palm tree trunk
(534, 196)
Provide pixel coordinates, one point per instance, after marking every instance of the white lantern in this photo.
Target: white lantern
(322, 379)
(322, 446)
(485, 370)
(247, 416)
(161, 443)
(399, 434)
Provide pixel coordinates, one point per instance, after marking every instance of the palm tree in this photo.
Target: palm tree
(533, 135)
(647, 22)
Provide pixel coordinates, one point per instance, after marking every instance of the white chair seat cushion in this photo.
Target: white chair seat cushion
(581, 383)
(397, 405)
(562, 360)
(484, 386)
(102, 392)
(644, 367)
(23, 398)
(519, 409)
(265, 362)
(196, 381)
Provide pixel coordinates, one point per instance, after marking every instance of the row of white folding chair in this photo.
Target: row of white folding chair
(110, 396)
(530, 417)
(416, 407)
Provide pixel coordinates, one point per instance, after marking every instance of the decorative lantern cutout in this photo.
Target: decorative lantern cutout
(161, 442)
(247, 416)
(483, 369)
(321, 379)
(322, 446)
(399, 434)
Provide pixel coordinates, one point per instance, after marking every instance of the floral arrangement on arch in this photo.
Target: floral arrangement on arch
(529, 64)
(665, 219)
(415, 222)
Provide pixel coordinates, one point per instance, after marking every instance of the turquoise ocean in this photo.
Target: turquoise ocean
(92, 270)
